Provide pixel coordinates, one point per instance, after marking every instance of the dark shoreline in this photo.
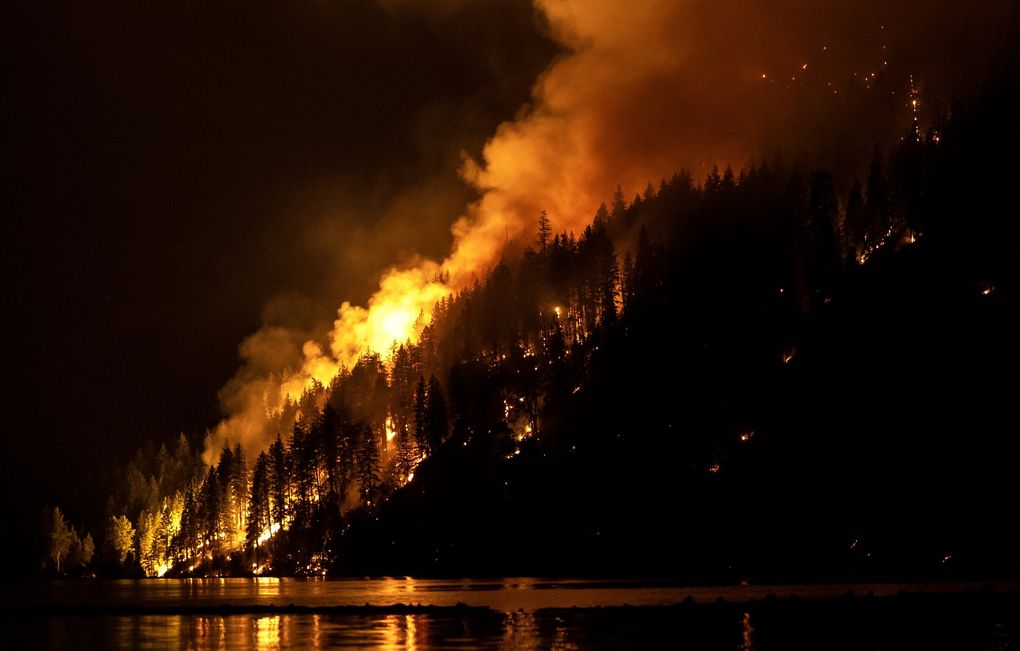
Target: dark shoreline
(981, 598)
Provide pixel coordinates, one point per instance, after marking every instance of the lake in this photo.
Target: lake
(503, 613)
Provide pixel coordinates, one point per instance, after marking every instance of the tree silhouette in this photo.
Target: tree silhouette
(259, 517)
(421, 424)
(279, 480)
(61, 537)
(368, 464)
(544, 230)
(649, 379)
(436, 417)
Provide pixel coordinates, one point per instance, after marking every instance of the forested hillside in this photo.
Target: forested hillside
(770, 372)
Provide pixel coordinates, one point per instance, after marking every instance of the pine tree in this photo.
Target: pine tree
(713, 184)
(619, 206)
(60, 539)
(855, 225)
(368, 465)
(87, 551)
(421, 427)
(279, 481)
(188, 536)
(119, 539)
(627, 282)
(210, 505)
(728, 183)
(437, 422)
(407, 455)
(877, 203)
(258, 503)
(544, 230)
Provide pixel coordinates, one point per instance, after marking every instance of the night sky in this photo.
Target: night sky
(185, 175)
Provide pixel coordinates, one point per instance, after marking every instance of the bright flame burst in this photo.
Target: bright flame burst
(396, 314)
(548, 158)
(268, 533)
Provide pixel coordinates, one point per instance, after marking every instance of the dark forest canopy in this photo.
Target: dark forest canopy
(756, 374)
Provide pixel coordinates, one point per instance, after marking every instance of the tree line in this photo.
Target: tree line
(721, 284)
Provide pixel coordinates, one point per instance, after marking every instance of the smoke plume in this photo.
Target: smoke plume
(640, 90)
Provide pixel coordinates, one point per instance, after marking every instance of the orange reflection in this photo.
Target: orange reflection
(520, 631)
(747, 640)
(391, 631)
(267, 632)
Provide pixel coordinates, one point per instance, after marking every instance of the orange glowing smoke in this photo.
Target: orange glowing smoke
(641, 90)
(601, 116)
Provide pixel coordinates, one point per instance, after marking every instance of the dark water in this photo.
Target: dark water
(506, 613)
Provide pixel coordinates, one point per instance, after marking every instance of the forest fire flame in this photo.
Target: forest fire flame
(559, 155)
(572, 144)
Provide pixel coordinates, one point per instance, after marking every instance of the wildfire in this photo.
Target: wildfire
(268, 533)
(545, 159)
(391, 431)
(396, 313)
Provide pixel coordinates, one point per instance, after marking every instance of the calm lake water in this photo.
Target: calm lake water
(510, 613)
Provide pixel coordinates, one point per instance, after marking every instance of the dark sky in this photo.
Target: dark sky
(184, 173)
(180, 175)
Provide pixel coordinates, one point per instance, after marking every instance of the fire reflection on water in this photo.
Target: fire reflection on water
(746, 633)
(520, 631)
(267, 632)
(267, 587)
(405, 632)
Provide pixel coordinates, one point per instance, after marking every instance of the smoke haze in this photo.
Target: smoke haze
(639, 91)
(186, 174)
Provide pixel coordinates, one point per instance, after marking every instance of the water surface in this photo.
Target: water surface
(502, 613)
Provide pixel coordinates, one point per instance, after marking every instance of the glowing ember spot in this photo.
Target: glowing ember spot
(391, 432)
(268, 533)
(788, 355)
(747, 436)
(557, 311)
(162, 569)
(714, 468)
(410, 476)
(987, 291)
